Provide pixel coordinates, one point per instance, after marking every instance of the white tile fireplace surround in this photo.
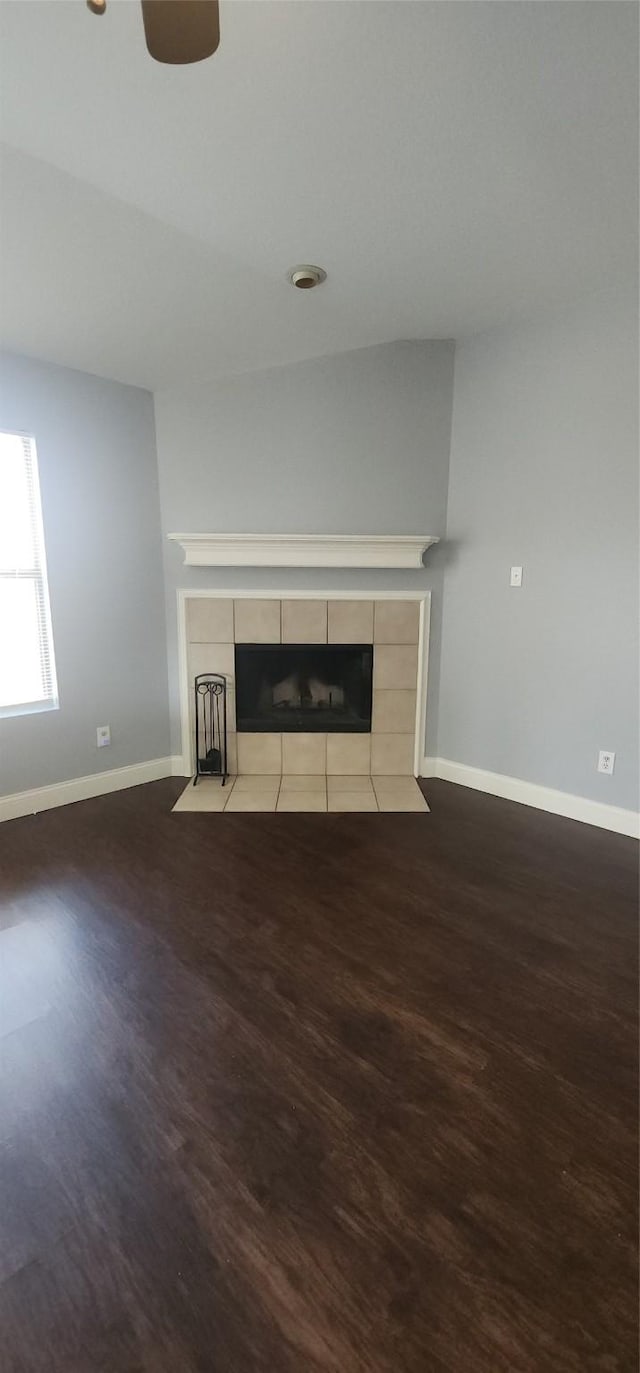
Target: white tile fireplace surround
(211, 623)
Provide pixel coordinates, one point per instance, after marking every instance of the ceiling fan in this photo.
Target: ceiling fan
(176, 31)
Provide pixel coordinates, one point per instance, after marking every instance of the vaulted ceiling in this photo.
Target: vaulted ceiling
(452, 165)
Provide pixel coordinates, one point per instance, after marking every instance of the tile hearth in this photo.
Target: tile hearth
(299, 792)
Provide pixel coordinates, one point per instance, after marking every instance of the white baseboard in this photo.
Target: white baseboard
(531, 794)
(83, 788)
(607, 817)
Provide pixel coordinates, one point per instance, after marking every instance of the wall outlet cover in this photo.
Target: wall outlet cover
(103, 736)
(606, 761)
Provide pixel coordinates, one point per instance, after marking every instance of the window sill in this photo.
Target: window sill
(28, 708)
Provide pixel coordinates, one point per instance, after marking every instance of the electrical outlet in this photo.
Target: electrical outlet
(103, 736)
(606, 761)
(516, 576)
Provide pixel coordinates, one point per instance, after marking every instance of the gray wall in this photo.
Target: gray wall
(356, 443)
(544, 473)
(98, 476)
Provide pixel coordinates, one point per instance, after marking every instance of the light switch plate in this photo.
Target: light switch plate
(516, 576)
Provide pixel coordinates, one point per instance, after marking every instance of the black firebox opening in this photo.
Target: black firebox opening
(307, 687)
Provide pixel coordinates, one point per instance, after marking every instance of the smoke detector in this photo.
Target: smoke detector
(305, 277)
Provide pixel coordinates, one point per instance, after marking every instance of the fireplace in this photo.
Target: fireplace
(286, 688)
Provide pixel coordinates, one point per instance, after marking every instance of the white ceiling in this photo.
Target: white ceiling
(452, 165)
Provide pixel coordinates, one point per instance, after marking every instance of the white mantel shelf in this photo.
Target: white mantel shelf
(303, 550)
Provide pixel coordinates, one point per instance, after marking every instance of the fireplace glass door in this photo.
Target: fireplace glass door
(303, 687)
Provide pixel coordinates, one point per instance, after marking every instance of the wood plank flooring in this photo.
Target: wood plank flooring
(317, 1094)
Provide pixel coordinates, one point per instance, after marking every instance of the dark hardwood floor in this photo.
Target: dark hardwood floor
(291, 1094)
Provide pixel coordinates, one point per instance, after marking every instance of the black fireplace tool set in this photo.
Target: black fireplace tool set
(210, 691)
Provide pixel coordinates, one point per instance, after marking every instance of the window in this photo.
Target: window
(27, 665)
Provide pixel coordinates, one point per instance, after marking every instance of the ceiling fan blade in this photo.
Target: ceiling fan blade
(180, 31)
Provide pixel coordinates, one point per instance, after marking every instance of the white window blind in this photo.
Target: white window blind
(27, 664)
